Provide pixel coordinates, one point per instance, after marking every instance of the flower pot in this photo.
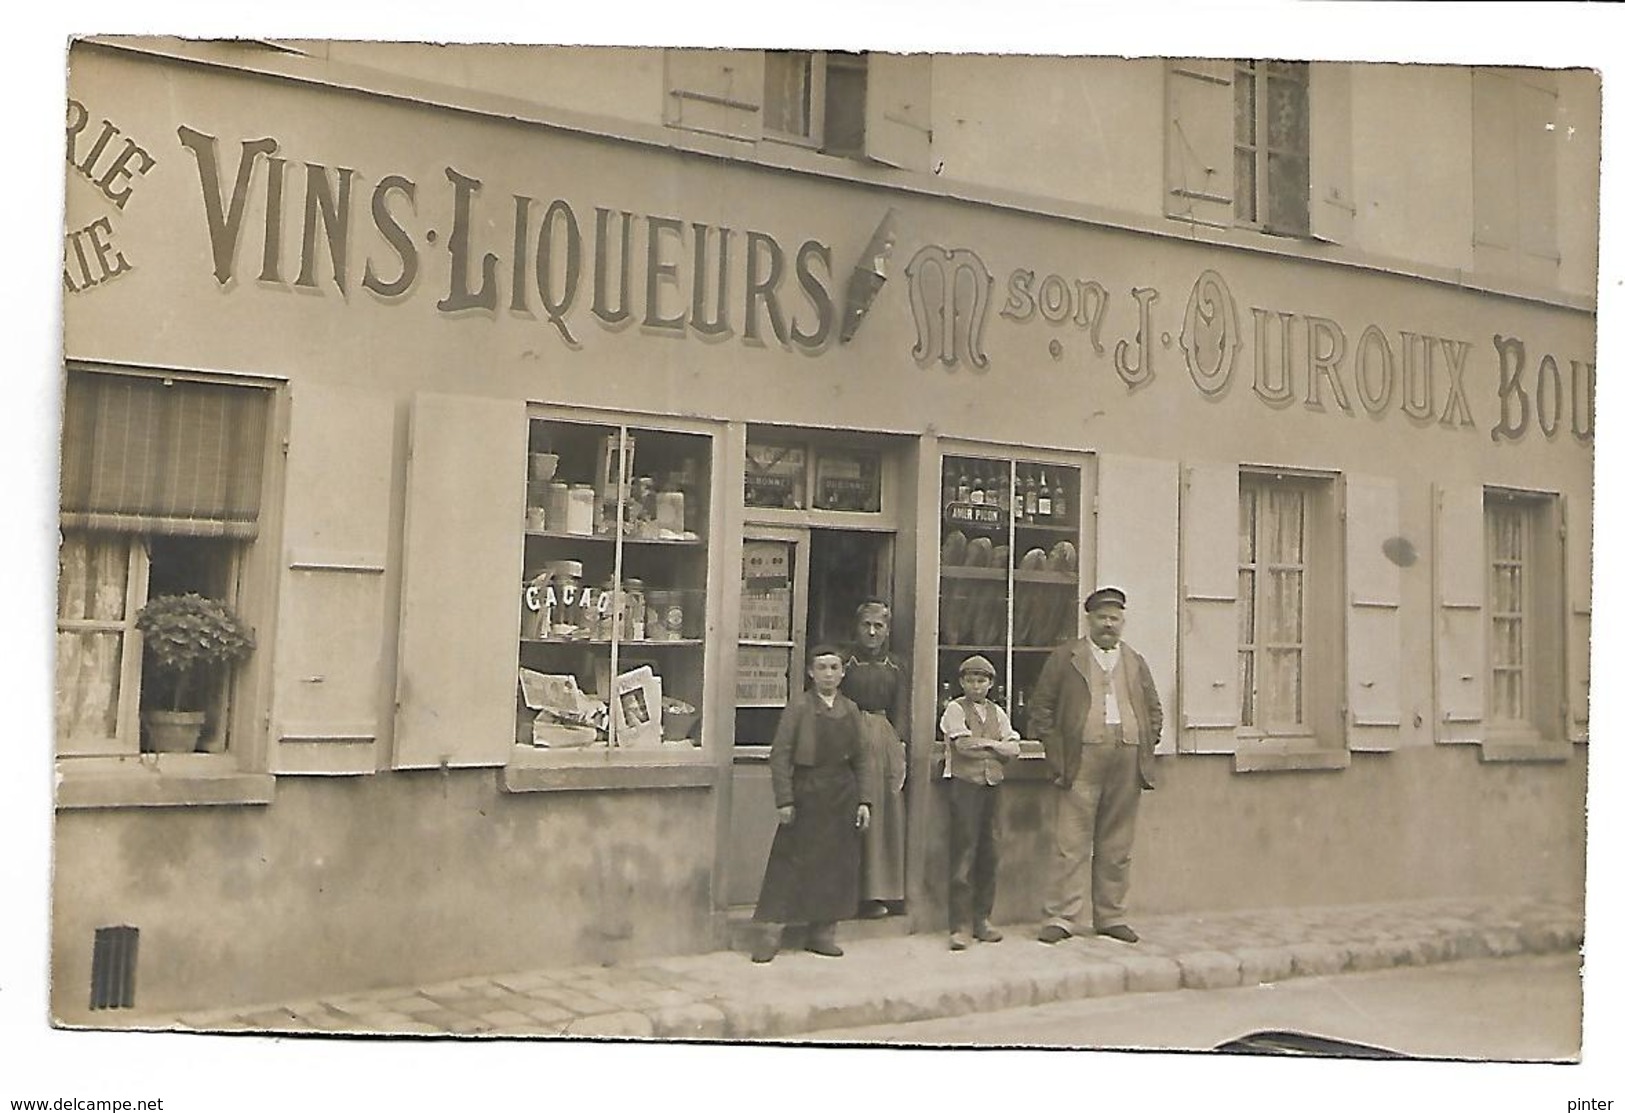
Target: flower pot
(174, 732)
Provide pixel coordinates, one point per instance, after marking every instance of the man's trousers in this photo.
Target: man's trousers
(1092, 828)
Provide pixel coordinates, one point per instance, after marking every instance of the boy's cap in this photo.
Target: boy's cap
(978, 663)
(1105, 597)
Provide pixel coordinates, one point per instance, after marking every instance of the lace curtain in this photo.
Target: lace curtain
(93, 585)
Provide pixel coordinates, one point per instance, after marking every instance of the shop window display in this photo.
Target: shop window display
(1009, 579)
(612, 621)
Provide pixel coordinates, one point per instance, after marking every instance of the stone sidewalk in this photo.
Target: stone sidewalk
(724, 996)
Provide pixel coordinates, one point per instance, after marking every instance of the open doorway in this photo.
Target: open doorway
(845, 567)
(824, 573)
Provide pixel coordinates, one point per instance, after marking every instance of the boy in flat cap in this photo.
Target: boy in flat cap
(1096, 710)
(980, 742)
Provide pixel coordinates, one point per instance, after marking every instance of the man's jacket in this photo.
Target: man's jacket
(1059, 707)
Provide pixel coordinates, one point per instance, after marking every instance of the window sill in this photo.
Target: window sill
(1286, 755)
(159, 781)
(673, 766)
(1525, 749)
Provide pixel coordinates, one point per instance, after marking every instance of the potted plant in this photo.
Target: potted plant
(187, 639)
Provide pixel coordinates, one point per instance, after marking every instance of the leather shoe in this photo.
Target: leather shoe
(825, 947)
(1052, 933)
(875, 910)
(957, 941)
(1120, 932)
(987, 933)
(764, 951)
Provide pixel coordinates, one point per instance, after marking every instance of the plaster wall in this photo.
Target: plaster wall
(401, 879)
(389, 879)
(1413, 171)
(1410, 825)
(1081, 129)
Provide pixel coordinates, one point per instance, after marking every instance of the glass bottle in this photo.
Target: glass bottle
(978, 489)
(1001, 493)
(1031, 514)
(962, 491)
(1058, 498)
(1046, 506)
(1018, 494)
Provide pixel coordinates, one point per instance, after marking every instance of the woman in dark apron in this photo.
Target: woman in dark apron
(821, 787)
(877, 681)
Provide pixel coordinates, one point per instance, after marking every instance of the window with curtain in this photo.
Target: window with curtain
(1270, 611)
(160, 492)
(1509, 554)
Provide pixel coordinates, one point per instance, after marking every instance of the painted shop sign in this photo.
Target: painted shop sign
(560, 263)
(1294, 352)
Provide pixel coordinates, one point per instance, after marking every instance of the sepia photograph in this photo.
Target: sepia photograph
(676, 546)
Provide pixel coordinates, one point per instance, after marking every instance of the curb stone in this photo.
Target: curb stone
(1209, 970)
(901, 979)
(1263, 965)
(1318, 959)
(1149, 975)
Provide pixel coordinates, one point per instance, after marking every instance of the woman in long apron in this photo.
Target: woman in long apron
(821, 788)
(877, 680)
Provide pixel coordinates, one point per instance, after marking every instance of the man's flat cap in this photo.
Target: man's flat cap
(1105, 597)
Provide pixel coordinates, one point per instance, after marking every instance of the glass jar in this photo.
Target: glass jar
(580, 520)
(602, 623)
(564, 592)
(634, 618)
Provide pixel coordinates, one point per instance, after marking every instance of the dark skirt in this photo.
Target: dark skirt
(812, 870)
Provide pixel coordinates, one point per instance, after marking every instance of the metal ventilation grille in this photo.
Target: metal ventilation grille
(112, 967)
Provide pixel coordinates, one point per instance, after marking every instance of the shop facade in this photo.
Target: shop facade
(471, 417)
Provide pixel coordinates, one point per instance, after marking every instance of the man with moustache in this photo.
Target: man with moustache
(1096, 710)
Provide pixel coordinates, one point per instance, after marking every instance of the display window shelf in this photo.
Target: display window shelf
(1010, 536)
(611, 651)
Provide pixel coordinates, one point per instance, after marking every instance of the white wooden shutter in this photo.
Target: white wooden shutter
(1495, 188)
(1373, 621)
(461, 570)
(718, 92)
(1536, 151)
(1461, 661)
(1137, 549)
(1576, 512)
(1331, 124)
(328, 680)
(1199, 140)
(1209, 513)
(897, 110)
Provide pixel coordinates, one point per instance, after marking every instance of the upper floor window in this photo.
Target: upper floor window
(1272, 146)
(816, 98)
(1261, 145)
(861, 105)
